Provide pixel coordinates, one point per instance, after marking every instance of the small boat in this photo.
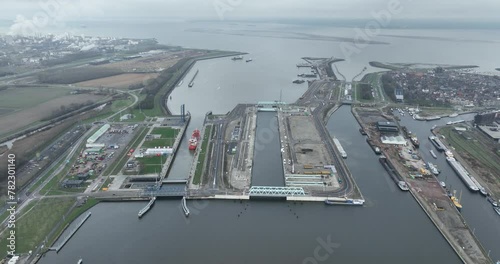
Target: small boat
(492, 201)
(443, 184)
(237, 58)
(453, 115)
(403, 186)
(249, 60)
(497, 209)
(80, 261)
(456, 203)
(362, 131)
(433, 154)
(299, 81)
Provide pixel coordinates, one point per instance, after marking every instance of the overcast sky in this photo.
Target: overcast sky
(478, 10)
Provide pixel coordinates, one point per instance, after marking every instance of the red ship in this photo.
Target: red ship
(193, 141)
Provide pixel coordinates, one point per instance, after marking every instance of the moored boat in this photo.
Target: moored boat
(414, 141)
(403, 186)
(433, 154)
(456, 203)
(193, 141)
(492, 201)
(497, 209)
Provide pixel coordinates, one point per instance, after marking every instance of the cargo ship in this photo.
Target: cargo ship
(437, 143)
(346, 202)
(482, 190)
(340, 148)
(193, 141)
(462, 173)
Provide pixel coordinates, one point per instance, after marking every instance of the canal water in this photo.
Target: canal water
(477, 211)
(267, 169)
(390, 228)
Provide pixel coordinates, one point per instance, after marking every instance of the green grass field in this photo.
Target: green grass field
(472, 147)
(33, 227)
(168, 136)
(21, 98)
(75, 213)
(201, 157)
(150, 165)
(165, 132)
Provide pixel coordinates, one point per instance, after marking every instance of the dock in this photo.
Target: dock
(191, 83)
(144, 210)
(58, 248)
(184, 206)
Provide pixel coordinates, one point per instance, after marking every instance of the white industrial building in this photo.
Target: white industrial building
(158, 151)
(94, 145)
(92, 139)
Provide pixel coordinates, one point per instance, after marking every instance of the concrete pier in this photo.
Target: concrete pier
(58, 248)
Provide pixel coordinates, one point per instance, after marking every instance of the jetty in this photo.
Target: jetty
(144, 210)
(58, 248)
(191, 83)
(184, 206)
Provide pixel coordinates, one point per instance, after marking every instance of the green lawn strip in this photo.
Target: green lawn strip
(201, 156)
(108, 180)
(75, 213)
(32, 228)
(124, 157)
(152, 164)
(165, 132)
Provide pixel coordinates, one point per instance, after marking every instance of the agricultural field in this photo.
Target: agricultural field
(18, 98)
(122, 81)
(42, 106)
(153, 63)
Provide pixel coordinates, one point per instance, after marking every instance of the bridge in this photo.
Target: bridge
(269, 106)
(172, 190)
(272, 191)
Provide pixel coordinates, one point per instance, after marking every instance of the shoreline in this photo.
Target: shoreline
(403, 66)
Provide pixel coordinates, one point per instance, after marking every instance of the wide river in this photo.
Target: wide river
(390, 228)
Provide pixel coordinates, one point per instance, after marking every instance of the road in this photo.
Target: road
(26, 198)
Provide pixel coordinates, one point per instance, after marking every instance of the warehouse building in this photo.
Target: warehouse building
(158, 151)
(387, 127)
(92, 139)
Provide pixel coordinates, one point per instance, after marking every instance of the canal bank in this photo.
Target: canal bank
(431, 198)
